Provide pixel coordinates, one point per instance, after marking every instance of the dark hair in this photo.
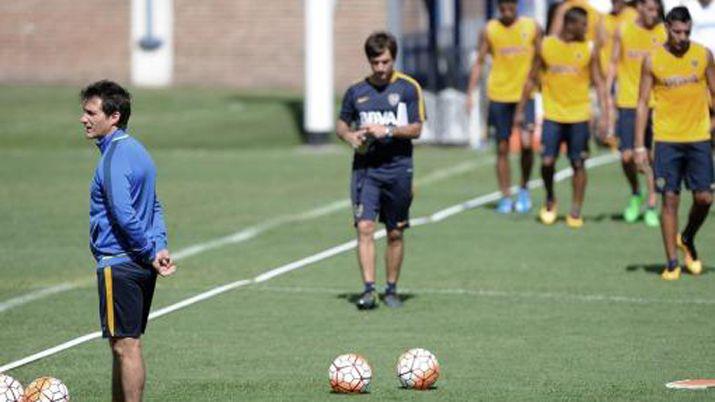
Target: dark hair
(378, 42)
(680, 14)
(507, 1)
(661, 8)
(114, 99)
(573, 13)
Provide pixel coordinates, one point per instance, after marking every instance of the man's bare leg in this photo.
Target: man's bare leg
(128, 372)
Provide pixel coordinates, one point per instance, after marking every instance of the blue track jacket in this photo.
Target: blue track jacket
(126, 221)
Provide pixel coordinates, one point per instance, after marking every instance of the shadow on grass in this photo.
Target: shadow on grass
(352, 298)
(657, 269)
(293, 104)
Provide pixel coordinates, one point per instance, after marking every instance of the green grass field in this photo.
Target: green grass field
(512, 309)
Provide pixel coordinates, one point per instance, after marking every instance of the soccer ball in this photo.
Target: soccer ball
(46, 389)
(417, 369)
(350, 373)
(10, 389)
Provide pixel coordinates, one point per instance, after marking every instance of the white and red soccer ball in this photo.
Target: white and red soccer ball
(417, 369)
(10, 389)
(350, 373)
(46, 389)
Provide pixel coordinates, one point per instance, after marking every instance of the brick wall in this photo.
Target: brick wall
(63, 41)
(235, 43)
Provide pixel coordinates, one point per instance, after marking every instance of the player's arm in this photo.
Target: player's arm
(163, 262)
(615, 58)
(710, 77)
(415, 103)
(600, 85)
(117, 191)
(644, 90)
(557, 21)
(483, 49)
(342, 127)
(353, 137)
(532, 82)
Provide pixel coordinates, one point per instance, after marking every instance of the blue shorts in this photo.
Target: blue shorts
(575, 135)
(384, 192)
(501, 117)
(125, 294)
(626, 129)
(675, 161)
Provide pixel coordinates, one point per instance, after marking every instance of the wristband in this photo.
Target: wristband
(641, 149)
(390, 131)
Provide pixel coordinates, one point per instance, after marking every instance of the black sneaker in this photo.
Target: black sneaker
(367, 301)
(392, 300)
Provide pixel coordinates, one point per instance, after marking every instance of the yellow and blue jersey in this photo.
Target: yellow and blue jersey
(398, 103)
(681, 112)
(512, 51)
(566, 80)
(611, 24)
(636, 43)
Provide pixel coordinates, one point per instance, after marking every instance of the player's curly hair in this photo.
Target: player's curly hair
(114, 99)
(378, 42)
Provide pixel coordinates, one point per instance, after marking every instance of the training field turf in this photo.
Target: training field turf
(513, 310)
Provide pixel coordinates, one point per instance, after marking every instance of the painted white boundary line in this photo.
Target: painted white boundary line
(254, 231)
(35, 295)
(506, 294)
(341, 248)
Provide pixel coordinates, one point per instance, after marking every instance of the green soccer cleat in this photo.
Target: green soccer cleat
(651, 218)
(633, 210)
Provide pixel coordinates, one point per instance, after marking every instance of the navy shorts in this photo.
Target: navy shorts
(125, 294)
(501, 117)
(575, 135)
(626, 129)
(675, 161)
(382, 192)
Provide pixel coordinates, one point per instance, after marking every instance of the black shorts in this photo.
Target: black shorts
(575, 135)
(678, 161)
(384, 192)
(501, 117)
(626, 129)
(125, 294)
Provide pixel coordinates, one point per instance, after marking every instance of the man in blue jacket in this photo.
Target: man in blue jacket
(127, 232)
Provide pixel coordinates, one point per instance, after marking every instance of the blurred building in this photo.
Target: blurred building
(228, 43)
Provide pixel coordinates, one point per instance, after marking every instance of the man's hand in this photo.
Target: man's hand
(163, 264)
(375, 130)
(641, 159)
(468, 105)
(355, 138)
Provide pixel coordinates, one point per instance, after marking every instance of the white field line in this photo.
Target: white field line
(506, 294)
(253, 231)
(341, 248)
(38, 294)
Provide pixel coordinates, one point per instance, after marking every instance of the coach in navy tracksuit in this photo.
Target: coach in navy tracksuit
(380, 116)
(127, 232)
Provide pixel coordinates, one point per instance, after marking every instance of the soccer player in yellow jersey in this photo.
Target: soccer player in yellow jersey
(568, 65)
(681, 77)
(593, 16)
(510, 40)
(621, 13)
(632, 42)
